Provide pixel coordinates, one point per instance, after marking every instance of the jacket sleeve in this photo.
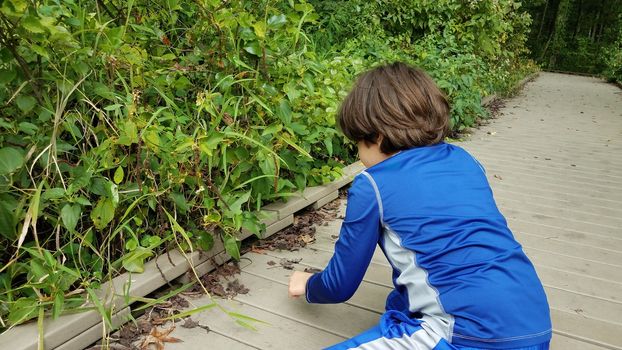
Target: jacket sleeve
(354, 249)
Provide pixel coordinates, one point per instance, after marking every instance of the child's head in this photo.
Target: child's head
(398, 105)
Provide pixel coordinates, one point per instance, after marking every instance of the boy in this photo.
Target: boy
(461, 280)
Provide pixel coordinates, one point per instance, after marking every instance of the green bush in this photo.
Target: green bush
(613, 60)
(130, 128)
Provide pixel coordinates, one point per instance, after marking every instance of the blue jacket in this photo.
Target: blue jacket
(456, 265)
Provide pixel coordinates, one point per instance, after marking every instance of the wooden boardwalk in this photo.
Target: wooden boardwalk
(554, 160)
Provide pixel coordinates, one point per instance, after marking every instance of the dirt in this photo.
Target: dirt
(494, 108)
(301, 233)
(221, 282)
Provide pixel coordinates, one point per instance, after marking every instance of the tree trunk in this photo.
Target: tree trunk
(577, 27)
(546, 5)
(559, 30)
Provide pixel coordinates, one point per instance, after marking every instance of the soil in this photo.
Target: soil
(301, 233)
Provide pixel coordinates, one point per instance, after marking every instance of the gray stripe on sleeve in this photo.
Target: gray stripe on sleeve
(378, 198)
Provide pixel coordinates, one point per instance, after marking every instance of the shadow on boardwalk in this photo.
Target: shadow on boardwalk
(554, 160)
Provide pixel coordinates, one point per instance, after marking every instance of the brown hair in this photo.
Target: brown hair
(399, 102)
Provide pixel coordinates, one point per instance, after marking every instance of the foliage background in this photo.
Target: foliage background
(578, 36)
(133, 127)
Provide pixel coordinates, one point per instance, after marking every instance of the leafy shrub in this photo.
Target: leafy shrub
(613, 60)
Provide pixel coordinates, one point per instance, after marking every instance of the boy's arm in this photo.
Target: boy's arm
(354, 248)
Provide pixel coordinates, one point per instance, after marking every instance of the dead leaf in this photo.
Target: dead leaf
(307, 238)
(158, 338)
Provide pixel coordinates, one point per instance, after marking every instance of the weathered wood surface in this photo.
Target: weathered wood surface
(554, 160)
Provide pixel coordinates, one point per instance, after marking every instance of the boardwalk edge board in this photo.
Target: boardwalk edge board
(79, 330)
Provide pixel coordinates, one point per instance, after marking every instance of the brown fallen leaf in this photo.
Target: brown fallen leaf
(158, 338)
(307, 238)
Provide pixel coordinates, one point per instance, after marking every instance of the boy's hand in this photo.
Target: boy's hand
(298, 283)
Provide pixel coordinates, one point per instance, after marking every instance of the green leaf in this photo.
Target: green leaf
(284, 112)
(135, 261)
(14, 7)
(208, 145)
(131, 244)
(7, 75)
(103, 91)
(70, 214)
(328, 142)
(205, 241)
(276, 21)
(10, 160)
(59, 301)
(103, 213)
(291, 89)
(180, 201)
(112, 191)
(118, 175)
(152, 138)
(191, 312)
(232, 246)
(23, 309)
(260, 29)
(129, 134)
(236, 206)
(105, 313)
(272, 129)
(82, 201)
(25, 103)
(7, 221)
(32, 24)
(40, 51)
(212, 217)
(27, 128)
(254, 49)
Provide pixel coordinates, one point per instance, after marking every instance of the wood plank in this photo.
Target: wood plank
(268, 334)
(581, 204)
(534, 166)
(272, 297)
(572, 249)
(590, 330)
(197, 338)
(548, 231)
(564, 342)
(567, 213)
(564, 223)
(574, 265)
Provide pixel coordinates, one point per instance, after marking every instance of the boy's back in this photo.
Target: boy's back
(454, 259)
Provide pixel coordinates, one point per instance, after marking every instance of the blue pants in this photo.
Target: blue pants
(398, 332)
